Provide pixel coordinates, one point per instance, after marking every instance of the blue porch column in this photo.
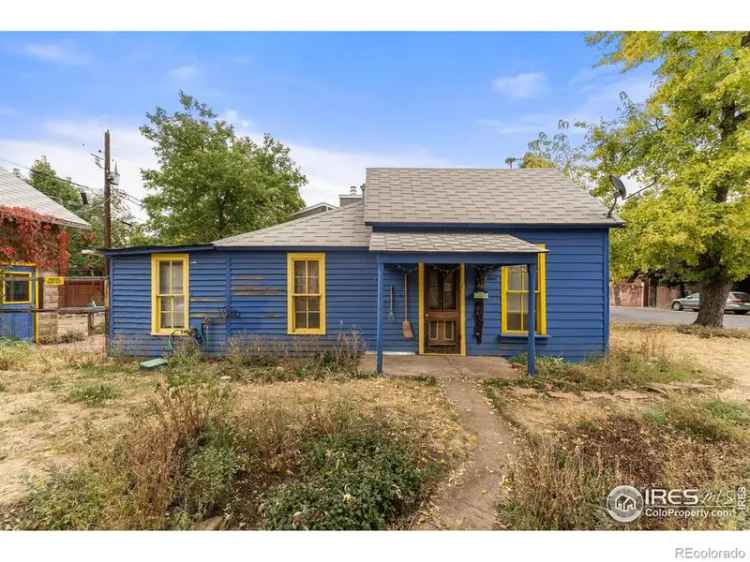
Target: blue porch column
(379, 345)
(531, 321)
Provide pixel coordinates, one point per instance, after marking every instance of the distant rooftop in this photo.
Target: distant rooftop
(15, 192)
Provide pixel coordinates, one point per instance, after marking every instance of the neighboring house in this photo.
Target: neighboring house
(21, 289)
(468, 242)
(312, 210)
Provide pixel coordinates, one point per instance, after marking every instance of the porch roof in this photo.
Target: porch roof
(450, 242)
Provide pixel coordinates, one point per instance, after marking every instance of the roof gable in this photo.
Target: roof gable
(14, 192)
(541, 196)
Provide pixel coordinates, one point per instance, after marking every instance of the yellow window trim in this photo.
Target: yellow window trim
(156, 259)
(26, 274)
(421, 308)
(542, 277)
(292, 257)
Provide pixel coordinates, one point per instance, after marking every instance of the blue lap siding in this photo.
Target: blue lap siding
(577, 293)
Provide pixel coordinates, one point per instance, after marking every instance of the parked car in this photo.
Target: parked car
(737, 302)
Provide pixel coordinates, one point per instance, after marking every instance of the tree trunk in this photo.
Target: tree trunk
(713, 299)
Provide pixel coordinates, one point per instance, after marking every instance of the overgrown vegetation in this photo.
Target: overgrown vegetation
(263, 359)
(193, 454)
(561, 482)
(632, 366)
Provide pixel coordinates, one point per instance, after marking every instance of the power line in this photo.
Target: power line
(92, 190)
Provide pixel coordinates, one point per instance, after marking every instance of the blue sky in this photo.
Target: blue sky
(341, 101)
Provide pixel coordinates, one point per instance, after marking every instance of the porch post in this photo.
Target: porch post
(379, 345)
(531, 320)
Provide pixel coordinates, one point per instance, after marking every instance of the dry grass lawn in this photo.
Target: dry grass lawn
(678, 416)
(55, 399)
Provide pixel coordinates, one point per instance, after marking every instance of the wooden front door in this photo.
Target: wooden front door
(441, 306)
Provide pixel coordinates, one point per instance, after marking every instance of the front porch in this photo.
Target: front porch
(441, 366)
(484, 252)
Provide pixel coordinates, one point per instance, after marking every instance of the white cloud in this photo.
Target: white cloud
(521, 86)
(233, 117)
(68, 144)
(600, 97)
(185, 72)
(63, 53)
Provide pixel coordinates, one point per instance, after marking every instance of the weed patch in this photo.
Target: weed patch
(630, 366)
(562, 482)
(191, 455)
(93, 394)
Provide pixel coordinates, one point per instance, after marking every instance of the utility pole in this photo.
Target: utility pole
(107, 235)
(107, 193)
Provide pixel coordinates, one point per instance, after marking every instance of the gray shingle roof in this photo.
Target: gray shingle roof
(449, 242)
(479, 196)
(343, 227)
(14, 192)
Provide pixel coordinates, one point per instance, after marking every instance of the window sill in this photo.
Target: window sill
(522, 336)
(180, 333)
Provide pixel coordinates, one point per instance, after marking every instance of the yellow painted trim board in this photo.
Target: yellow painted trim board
(36, 305)
(292, 257)
(156, 329)
(421, 308)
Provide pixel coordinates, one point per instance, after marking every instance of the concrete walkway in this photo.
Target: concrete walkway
(469, 498)
(441, 366)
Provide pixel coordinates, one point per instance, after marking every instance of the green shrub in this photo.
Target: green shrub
(211, 472)
(706, 420)
(93, 394)
(351, 482)
(68, 500)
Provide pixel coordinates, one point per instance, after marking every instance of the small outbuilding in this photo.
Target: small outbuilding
(478, 261)
(22, 286)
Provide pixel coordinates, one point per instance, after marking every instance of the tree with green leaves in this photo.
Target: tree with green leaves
(689, 145)
(558, 151)
(44, 178)
(125, 228)
(212, 183)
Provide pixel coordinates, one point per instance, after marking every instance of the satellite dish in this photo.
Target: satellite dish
(619, 186)
(620, 192)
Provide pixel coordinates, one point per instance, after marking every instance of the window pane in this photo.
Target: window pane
(163, 278)
(176, 277)
(299, 277)
(515, 322)
(300, 320)
(17, 288)
(312, 277)
(179, 312)
(313, 304)
(515, 302)
(300, 304)
(166, 319)
(313, 320)
(517, 278)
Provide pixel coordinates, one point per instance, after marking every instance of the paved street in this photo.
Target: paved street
(632, 315)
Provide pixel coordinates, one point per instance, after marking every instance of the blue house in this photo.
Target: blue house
(480, 261)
